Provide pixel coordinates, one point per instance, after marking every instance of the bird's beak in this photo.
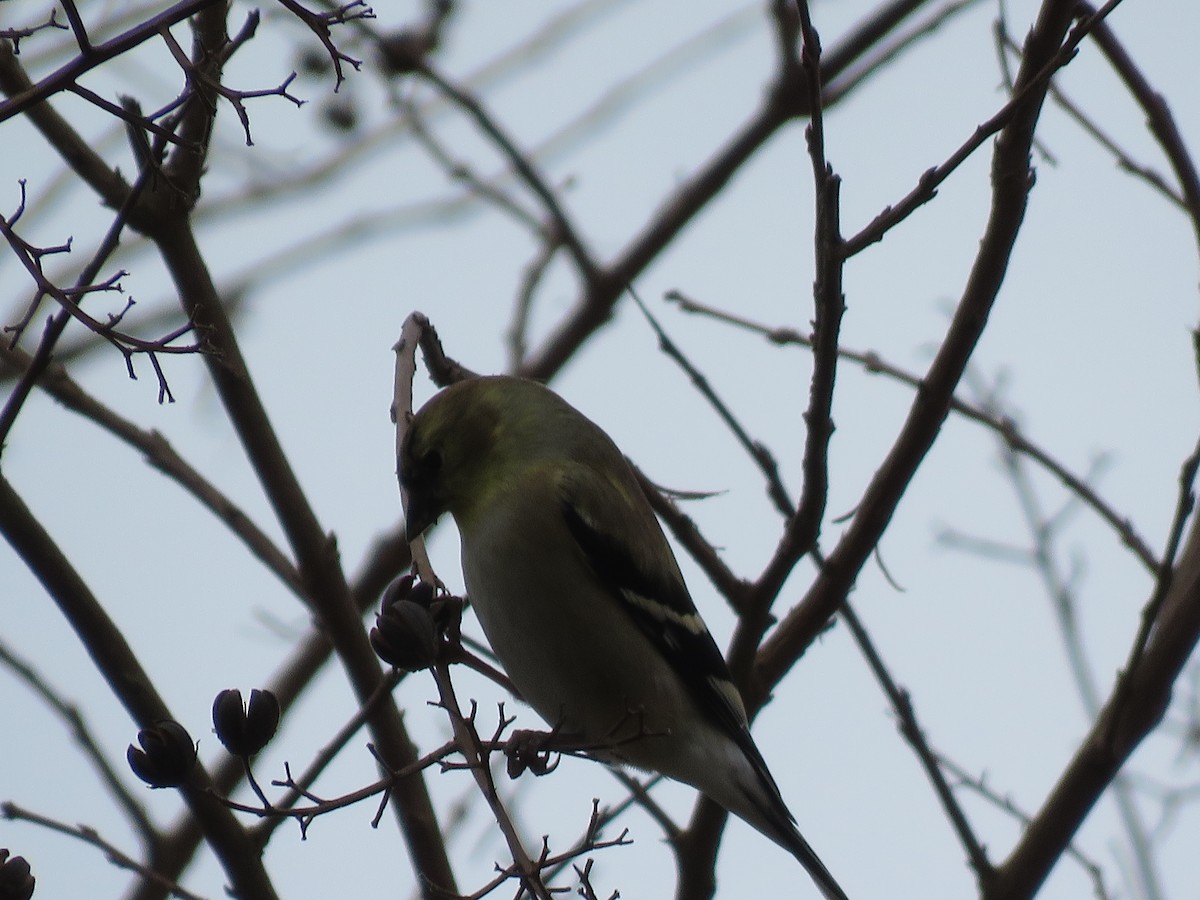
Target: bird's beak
(419, 513)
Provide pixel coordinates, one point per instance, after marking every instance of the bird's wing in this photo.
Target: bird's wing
(627, 552)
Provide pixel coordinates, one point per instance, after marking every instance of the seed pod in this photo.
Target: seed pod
(166, 756)
(404, 636)
(245, 732)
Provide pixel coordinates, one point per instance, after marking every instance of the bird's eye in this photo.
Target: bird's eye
(431, 461)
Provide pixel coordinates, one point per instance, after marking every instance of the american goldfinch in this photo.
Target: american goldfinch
(580, 595)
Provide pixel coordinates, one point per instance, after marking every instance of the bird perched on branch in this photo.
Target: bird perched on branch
(580, 595)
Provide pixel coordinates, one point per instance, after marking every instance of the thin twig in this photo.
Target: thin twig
(1184, 505)
(757, 451)
(120, 667)
(469, 745)
(1011, 183)
(915, 736)
(1162, 122)
(979, 785)
(523, 164)
(92, 836)
(162, 456)
(1004, 426)
(325, 756)
(1032, 86)
(780, 106)
(802, 531)
(82, 733)
(1123, 158)
(69, 302)
(66, 76)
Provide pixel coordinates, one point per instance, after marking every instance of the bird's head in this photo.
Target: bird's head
(473, 438)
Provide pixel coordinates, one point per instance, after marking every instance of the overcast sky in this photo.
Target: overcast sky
(1089, 343)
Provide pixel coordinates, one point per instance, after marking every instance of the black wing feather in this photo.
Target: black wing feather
(664, 611)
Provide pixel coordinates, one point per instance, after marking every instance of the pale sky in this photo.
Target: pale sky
(1090, 340)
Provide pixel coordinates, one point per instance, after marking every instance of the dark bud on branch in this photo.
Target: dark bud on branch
(16, 881)
(529, 751)
(245, 730)
(166, 756)
(405, 633)
(405, 51)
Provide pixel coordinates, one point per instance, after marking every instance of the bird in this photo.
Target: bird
(580, 595)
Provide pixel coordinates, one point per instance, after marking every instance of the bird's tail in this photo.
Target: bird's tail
(763, 807)
(753, 795)
(816, 869)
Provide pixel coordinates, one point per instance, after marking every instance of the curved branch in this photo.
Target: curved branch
(1012, 180)
(120, 667)
(782, 105)
(62, 79)
(1136, 706)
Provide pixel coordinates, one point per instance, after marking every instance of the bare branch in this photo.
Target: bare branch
(319, 24)
(1005, 426)
(913, 733)
(92, 836)
(16, 35)
(26, 97)
(563, 228)
(1033, 86)
(129, 682)
(1011, 179)
(134, 811)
